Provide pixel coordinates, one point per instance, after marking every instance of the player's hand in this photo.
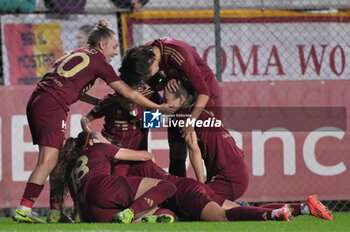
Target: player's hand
(172, 85)
(167, 109)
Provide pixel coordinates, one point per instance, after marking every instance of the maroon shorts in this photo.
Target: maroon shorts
(149, 169)
(191, 196)
(47, 119)
(112, 193)
(230, 189)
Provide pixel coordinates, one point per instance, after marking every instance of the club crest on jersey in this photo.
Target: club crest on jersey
(151, 119)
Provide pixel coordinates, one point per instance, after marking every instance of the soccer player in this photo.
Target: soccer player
(198, 201)
(227, 173)
(161, 60)
(187, 186)
(101, 197)
(122, 120)
(66, 82)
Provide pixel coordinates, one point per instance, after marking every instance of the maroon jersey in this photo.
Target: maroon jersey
(179, 60)
(191, 196)
(219, 150)
(93, 162)
(74, 74)
(123, 126)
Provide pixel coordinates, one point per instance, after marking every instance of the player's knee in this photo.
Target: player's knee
(167, 187)
(213, 212)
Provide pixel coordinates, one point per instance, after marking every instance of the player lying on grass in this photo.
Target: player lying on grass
(196, 201)
(101, 197)
(192, 197)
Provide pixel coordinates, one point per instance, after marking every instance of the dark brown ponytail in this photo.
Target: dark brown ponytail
(60, 176)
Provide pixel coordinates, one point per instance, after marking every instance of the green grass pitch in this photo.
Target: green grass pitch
(300, 223)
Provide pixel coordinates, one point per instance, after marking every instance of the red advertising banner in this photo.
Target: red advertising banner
(291, 159)
(285, 164)
(18, 155)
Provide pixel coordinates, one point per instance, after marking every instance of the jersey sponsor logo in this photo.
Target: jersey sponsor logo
(151, 119)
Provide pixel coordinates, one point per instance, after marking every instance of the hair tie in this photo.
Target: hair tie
(87, 139)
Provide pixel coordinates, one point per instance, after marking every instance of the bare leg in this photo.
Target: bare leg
(229, 204)
(145, 213)
(145, 185)
(47, 161)
(212, 212)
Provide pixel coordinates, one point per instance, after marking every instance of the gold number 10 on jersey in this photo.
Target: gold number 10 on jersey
(74, 70)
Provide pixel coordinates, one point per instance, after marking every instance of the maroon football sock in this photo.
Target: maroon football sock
(177, 167)
(165, 211)
(31, 193)
(248, 213)
(295, 206)
(154, 196)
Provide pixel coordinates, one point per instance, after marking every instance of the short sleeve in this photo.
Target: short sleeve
(107, 73)
(109, 150)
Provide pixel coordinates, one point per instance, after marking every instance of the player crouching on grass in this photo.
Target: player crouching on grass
(227, 173)
(85, 170)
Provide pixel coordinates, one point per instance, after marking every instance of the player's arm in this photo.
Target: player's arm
(195, 155)
(135, 96)
(201, 102)
(87, 98)
(192, 72)
(133, 155)
(85, 122)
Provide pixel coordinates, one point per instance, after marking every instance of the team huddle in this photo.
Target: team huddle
(111, 176)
